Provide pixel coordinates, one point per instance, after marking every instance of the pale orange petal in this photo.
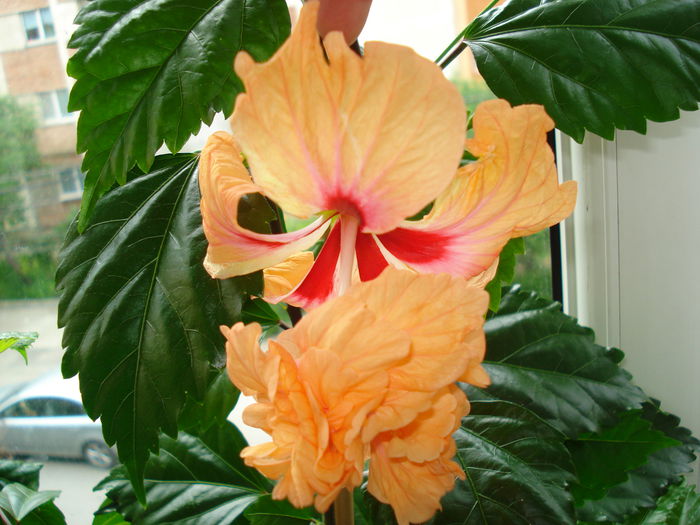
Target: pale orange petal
(443, 317)
(511, 191)
(411, 468)
(285, 276)
(253, 371)
(234, 250)
(340, 132)
(412, 489)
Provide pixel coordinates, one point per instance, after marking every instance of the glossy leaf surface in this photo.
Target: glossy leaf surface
(24, 504)
(141, 315)
(18, 341)
(24, 472)
(595, 65)
(197, 480)
(541, 359)
(680, 506)
(506, 270)
(153, 70)
(603, 459)
(517, 469)
(646, 483)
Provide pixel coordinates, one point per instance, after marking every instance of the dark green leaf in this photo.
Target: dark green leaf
(646, 483)
(19, 501)
(505, 271)
(24, 472)
(517, 469)
(267, 511)
(541, 359)
(258, 311)
(149, 71)
(110, 518)
(369, 510)
(603, 459)
(46, 514)
(680, 506)
(217, 404)
(19, 341)
(594, 64)
(108, 515)
(141, 315)
(193, 481)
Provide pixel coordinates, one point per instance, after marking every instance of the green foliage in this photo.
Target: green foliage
(680, 506)
(644, 484)
(141, 315)
(19, 341)
(24, 472)
(533, 270)
(29, 507)
(198, 480)
(541, 359)
(527, 446)
(18, 154)
(18, 151)
(603, 459)
(152, 71)
(473, 92)
(516, 465)
(27, 275)
(594, 64)
(505, 271)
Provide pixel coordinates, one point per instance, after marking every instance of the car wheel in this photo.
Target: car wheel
(98, 454)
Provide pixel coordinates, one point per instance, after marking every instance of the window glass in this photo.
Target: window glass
(47, 22)
(62, 96)
(31, 25)
(68, 181)
(533, 270)
(48, 105)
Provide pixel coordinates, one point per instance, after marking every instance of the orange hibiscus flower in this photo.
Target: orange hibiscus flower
(362, 143)
(368, 375)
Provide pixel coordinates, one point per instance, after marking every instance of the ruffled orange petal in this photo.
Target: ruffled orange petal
(341, 132)
(511, 191)
(412, 468)
(234, 250)
(367, 373)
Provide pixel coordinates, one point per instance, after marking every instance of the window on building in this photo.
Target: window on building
(72, 181)
(54, 105)
(38, 24)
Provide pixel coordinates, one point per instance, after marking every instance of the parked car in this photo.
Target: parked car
(46, 418)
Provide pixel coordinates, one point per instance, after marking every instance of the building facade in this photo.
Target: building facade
(33, 57)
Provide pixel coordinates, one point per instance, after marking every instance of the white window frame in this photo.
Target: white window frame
(76, 194)
(56, 105)
(40, 25)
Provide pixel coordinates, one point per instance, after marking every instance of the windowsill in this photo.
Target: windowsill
(70, 197)
(41, 42)
(59, 121)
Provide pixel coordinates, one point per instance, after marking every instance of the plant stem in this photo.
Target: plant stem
(344, 513)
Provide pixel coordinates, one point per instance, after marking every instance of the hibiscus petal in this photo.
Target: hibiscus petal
(335, 131)
(511, 191)
(412, 468)
(319, 283)
(285, 276)
(253, 371)
(234, 250)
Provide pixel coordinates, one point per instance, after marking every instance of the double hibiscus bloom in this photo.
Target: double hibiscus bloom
(362, 144)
